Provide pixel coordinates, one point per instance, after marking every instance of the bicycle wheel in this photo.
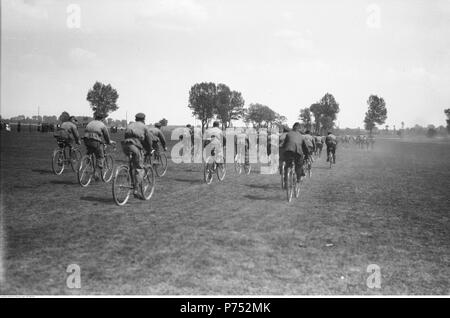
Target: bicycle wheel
(283, 165)
(148, 183)
(309, 170)
(108, 168)
(75, 157)
(58, 161)
(331, 159)
(161, 165)
(122, 185)
(85, 171)
(221, 171)
(290, 184)
(296, 186)
(247, 169)
(208, 171)
(237, 164)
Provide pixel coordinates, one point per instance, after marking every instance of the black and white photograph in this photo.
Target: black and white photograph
(212, 148)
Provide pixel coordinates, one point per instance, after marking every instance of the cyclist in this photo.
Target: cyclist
(68, 132)
(311, 144)
(95, 134)
(214, 136)
(331, 142)
(319, 144)
(138, 140)
(241, 138)
(295, 149)
(158, 137)
(283, 134)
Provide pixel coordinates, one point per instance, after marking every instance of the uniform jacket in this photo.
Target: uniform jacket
(97, 130)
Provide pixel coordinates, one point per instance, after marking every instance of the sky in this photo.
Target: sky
(282, 53)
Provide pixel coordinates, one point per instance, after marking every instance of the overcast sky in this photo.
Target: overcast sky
(285, 54)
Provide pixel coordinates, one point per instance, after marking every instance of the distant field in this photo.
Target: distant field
(389, 207)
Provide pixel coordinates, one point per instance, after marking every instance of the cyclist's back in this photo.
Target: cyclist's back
(68, 132)
(158, 137)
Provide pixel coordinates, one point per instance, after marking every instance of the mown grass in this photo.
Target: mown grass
(388, 207)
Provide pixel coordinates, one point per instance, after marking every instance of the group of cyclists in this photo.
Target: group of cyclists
(296, 145)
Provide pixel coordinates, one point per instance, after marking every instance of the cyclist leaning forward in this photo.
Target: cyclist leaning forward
(68, 132)
(295, 149)
(331, 142)
(311, 144)
(158, 137)
(94, 135)
(138, 142)
(214, 141)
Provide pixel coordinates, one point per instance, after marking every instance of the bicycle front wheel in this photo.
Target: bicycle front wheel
(122, 185)
(148, 183)
(108, 168)
(296, 186)
(58, 161)
(283, 166)
(85, 171)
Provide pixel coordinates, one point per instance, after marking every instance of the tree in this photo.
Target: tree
(163, 122)
(316, 109)
(329, 109)
(202, 102)
(103, 99)
(260, 115)
(447, 113)
(280, 120)
(376, 114)
(305, 118)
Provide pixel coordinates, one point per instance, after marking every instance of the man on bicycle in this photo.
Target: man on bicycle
(295, 149)
(214, 137)
(95, 134)
(331, 142)
(242, 139)
(311, 144)
(158, 137)
(68, 132)
(138, 139)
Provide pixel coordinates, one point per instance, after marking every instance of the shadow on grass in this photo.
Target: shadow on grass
(262, 198)
(264, 186)
(42, 171)
(191, 181)
(67, 182)
(97, 199)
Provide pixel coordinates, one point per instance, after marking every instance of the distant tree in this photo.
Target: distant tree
(202, 102)
(305, 118)
(316, 110)
(163, 122)
(103, 99)
(260, 115)
(280, 120)
(403, 125)
(431, 132)
(325, 113)
(376, 114)
(236, 109)
(447, 113)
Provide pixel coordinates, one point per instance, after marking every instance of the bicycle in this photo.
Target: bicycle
(123, 182)
(88, 167)
(332, 159)
(290, 183)
(64, 155)
(211, 167)
(240, 165)
(159, 162)
(308, 167)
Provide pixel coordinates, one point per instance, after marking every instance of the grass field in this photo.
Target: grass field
(388, 207)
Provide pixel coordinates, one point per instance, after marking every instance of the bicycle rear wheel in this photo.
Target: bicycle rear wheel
(221, 171)
(290, 184)
(247, 169)
(148, 183)
(331, 159)
(208, 170)
(237, 164)
(85, 171)
(122, 185)
(161, 165)
(108, 168)
(296, 186)
(58, 161)
(283, 166)
(75, 157)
